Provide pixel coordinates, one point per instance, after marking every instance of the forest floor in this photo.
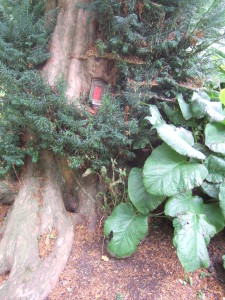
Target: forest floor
(153, 272)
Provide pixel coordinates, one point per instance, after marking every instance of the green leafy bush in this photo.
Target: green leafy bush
(189, 175)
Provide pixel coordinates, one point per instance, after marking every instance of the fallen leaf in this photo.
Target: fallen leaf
(105, 258)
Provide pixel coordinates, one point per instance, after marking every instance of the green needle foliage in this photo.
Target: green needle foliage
(23, 47)
(33, 116)
(159, 44)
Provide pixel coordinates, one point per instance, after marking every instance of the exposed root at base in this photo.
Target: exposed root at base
(31, 277)
(46, 243)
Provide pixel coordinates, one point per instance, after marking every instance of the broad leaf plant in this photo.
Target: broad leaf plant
(177, 173)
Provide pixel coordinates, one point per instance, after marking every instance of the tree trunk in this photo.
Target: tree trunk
(38, 213)
(8, 191)
(38, 209)
(74, 35)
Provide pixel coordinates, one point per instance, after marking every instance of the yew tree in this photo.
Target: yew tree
(50, 53)
(43, 50)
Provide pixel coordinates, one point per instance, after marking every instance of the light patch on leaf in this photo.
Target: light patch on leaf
(222, 96)
(155, 118)
(202, 106)
(184, 107)
(178, 142)
(215, 137)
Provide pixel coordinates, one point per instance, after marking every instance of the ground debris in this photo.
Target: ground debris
(46, 243)
(153, 272)
(4, 208)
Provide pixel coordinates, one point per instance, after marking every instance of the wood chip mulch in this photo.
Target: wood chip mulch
(153, 272)
(4, 208)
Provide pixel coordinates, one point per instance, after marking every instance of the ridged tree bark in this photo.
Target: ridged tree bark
(39, 207)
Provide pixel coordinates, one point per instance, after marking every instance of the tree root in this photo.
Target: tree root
(37, 209)
(8, 191)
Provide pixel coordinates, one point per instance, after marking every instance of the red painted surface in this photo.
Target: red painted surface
(97, 93)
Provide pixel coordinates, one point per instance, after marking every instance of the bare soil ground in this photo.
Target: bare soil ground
(153, 272)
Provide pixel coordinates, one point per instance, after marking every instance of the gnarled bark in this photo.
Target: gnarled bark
(74, 34)
(8, 191)
(39, 208)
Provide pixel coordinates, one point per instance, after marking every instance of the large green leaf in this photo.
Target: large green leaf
(202, 148)
(222, 96)
(211, 189)
(191, 237)
(179, 139)
(183, 203)
(142, 200)
(184, 107)
(173, 115)
(215, 137)
(155, 119)
(178, 142)
(128, 229)
(216, 169)
(214, 215)
(202, 106)
(185, 135)
(222, 198)
(168, 173)
(198, 105)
